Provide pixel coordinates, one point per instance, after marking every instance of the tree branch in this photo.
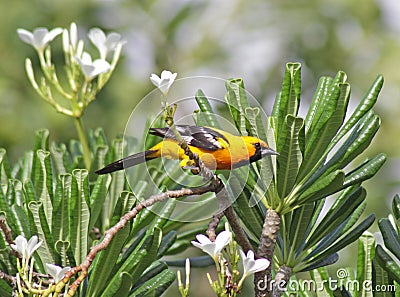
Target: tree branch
(266, 249)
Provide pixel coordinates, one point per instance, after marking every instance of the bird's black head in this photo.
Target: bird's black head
(261, 149)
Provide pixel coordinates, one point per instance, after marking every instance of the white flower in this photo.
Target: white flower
(73, 35)
(164, 82)
(92, 69)
(39, 38)
(250, 265)
(105, 44)
(213, 248)
(24, 248)
(56, 272)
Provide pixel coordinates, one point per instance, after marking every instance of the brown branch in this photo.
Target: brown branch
(213, 224)
(266, 249)
(7, 235)
(8, 278)
(237, 229)
(227, 209)
(281, 280)
(6, 230)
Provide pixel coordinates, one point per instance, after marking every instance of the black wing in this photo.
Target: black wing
(201, 137)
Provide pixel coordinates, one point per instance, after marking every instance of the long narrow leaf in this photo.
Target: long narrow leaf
(365, 106)
(79, 214)
(206, 116)
(320, 93)
(387, 263)
(290, 156)
(366, 253)
(390, 237)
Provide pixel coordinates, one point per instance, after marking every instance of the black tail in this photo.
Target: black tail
(129, 161)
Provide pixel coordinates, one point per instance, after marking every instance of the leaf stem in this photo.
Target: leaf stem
(84, 141)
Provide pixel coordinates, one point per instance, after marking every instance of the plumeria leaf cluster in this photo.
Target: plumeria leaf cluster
(317, 160)
(56, 212)
(375, 274)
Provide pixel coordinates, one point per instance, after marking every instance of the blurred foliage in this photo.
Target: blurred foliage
(229, 38)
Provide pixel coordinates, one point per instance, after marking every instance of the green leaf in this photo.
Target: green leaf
(365, 106)
(321, 278)
(349, 238)
(97, 197)
(321, 134)
(46, 249)
(117, 184)
(62, 248)
(390, 236)
(5, 289)
(380, 279)
(166, 242)
(251, 218)
(387, 263)
(366, 253)
(60, 223)
(60, 158)
(41, 143)
(120, 288)
(320, 188)
(132, 263)
(206, 116)
(236, 99)
(333, 97)
(319, 95)
(301, 218)
(329, 260)
(43, 183)
(41, 140)
(100, 277)
(155, 285)
(4, 169)
(21, 220)
(290, 156)
(345, 224)
(288, 99)
(365, 171)
(343, 208)
(79, 215)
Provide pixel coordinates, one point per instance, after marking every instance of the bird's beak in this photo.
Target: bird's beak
(266, 151)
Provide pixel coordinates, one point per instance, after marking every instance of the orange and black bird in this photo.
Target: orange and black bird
(216, 148)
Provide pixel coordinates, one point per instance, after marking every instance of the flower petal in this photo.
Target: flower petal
(260, 265)
(203, 239)
(52, 34)
(155, 79)
(222, 240)
(33, 245)
(25, 36)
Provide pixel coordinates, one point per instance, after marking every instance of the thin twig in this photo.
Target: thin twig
(6, 230)
(8, 278)
(213, 224)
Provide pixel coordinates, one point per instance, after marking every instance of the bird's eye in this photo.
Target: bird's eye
(257, 145)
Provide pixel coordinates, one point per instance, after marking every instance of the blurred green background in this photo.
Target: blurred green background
(227, 38)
